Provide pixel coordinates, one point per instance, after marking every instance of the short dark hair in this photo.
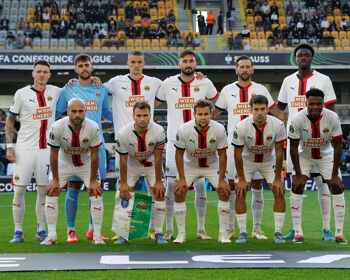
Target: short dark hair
(304, 46)
(41, 62)
(82, 57)
(202, 104)
(259, 99)
(141, 105)
(314, 92)
(186, 52)
(244, 57)
(136, 53)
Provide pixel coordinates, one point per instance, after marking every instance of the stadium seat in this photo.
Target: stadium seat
(36, 43)
(335, 34)
(253, 35)
(45, 44)
(263, 44)
(62, 44)
(342, 35)
(53, 44)
(254, 44)
(146, 44)
(261, 35)
(130, 44)
(155, 45)
(138, 44)
(163, 45)
(96, 44)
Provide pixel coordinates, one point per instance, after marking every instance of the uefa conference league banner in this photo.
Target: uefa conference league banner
(132, 216)
(117, 59)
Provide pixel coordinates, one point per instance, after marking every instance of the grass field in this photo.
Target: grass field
(312, 227)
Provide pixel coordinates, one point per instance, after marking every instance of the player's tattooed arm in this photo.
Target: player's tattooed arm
(280, 111)
(10, 131)
(215, 113)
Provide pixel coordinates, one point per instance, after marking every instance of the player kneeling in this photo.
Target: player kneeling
(316, 140)
(201, 152)
(258, 142)
(74, 143)
(140, 145)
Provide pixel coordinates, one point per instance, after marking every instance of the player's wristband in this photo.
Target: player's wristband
(10, 146)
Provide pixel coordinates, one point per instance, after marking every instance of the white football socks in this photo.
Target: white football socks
(18, 207)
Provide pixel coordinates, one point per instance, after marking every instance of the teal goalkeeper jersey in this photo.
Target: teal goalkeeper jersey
(95, 99)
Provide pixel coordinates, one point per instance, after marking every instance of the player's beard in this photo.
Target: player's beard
(77, 121)
(86, 77)
(188, 73)
(246, 78)
(201, 126)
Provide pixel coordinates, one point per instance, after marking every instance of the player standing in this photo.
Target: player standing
(140, 145)
(201, 152)
(258, 142)
(181, 92)
(97, 105)
(126, 91)
(74, 142)
(35, 106)
(316, 140)
(292, 95)
(235, 99)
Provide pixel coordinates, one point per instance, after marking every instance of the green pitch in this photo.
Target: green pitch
(312, 226)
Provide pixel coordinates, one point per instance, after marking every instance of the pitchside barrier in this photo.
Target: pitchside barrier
(109, 184)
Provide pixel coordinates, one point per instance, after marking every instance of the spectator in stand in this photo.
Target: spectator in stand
(4, 23)
(130, 32)
(138, 31)
(274, 18)
(121, 40)
(102, 15)
(220, 24)
(196, 41)
(189, 40)
(55, 31)
(274, 8)
(245, 32)
(37, 32)
(20, 24)
(112, 32)
(259, 24)
(129, 11)
(80, 17)
(161, 33)
(38, 8)
(145, 11)
(137, 10)
(28, 29)
(163, 23)
(231, 18)
(19, 44)
(258, 11)
(72, 32)
(64, 10)
(285, 33)
(289, 8)
(62, 32)
(311, 32)
(238, 42)
(171, 17)
(267, 24)
(54, 9)
(279, 41)
(38, 17)
(178, 40)
(121, 24)
(343, 24)
(201, 24)
(47, 4)
(300, 28)
(88, 33)
(270, 41)
(10, 36)
(324, 24)
(170, 40)
(46, 16)
(146, 23)
(210, 22)
(154, 33)
(102, 32)
(266, 10)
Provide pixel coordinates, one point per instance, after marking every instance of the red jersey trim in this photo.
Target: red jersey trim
(277, 142)
(222, 149)
(337, 137)
(92, 147)
(331, 101)
(273, 105)
(217, 94)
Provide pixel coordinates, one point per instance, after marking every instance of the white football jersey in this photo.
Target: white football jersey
(140, 150)
(74, 146)
(294, 88)
(181, 97)
(201, 148)
(235, 99)
(36, 112)
(259, 144)
(315, 137)
(126, 92)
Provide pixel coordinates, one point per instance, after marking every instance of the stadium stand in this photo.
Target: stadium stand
(280, 25)
(92, 24)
